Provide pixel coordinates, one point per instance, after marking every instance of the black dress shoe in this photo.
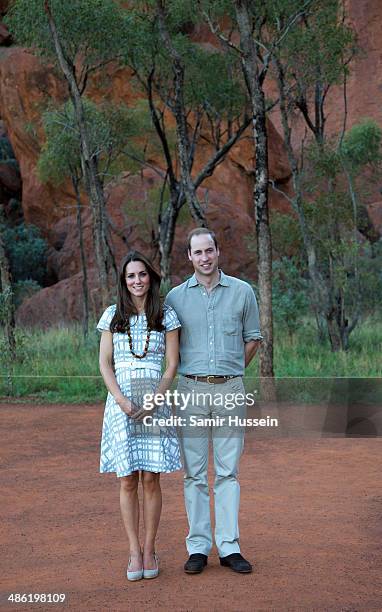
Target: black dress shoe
(195, 563)
(237, 563)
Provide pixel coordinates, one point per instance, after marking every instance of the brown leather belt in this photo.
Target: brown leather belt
(212, 379)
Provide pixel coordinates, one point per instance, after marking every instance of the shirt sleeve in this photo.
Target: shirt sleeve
(104, 322)
(169, 302)
(170, 318)
(251, 323)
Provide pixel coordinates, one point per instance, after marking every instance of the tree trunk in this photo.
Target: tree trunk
(89, 167)
(264, 243)
(7, 296)
(166, 240)
(8, 310)
(85, 290)
(333, 331)
(250, 66)
(167, 225)
(179, 112)
(319, 295)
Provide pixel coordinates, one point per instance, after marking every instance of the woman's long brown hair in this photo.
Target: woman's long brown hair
(125, 305)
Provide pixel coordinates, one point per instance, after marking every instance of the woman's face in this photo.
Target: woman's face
(137, 279)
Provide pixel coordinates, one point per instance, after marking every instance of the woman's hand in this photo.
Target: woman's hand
(126, 405)
(172, 358)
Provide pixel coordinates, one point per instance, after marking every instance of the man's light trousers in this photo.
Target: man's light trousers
(216, 402)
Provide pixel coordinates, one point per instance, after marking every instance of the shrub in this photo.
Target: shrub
(26, 250)
(24, 289)
(290, 294)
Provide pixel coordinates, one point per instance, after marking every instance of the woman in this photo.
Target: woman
(137, 333)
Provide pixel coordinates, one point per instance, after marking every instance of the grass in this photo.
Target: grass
(58, 366)
(55, 366)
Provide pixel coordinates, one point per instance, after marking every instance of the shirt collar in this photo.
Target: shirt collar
(223, 281)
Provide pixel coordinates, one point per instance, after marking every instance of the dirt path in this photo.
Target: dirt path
(311, 517)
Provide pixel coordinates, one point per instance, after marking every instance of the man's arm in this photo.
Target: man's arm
(250, 350)
(251, 326)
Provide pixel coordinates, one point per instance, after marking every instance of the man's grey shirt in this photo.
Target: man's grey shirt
(215, 326)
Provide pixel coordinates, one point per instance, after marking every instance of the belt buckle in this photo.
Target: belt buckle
(208, 377)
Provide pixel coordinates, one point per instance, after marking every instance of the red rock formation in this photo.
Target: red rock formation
(364, 83)
(59, 304)
(25, 84)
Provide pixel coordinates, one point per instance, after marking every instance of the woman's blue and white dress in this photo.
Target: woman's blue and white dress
(128, 445)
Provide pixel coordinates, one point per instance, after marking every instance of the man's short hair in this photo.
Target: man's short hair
(201, 231)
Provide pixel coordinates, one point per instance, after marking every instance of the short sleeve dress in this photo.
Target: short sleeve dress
(128, 445)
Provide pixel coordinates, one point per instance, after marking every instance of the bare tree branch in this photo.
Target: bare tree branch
(218, 157)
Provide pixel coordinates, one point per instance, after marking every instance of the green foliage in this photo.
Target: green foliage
(26, 250)
(362, 144)
(56, 365)
(6, 297)
(89, 30)
(23, 290)
(286, 235)
(7, 361)
(212, 84)
(370, 271)
(217, 9)
(316, 49)
(335, 186)
(328, 207)
(109, 128)
(61, 151)
(290, 294)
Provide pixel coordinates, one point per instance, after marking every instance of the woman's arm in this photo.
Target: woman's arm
(106, 369)
(172, 360)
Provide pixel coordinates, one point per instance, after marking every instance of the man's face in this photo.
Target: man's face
(204, 255)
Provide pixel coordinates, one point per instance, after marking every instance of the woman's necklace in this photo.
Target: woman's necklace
(146, 348)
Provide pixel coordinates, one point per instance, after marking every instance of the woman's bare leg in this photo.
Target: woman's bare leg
(152, 506)
(130, 515)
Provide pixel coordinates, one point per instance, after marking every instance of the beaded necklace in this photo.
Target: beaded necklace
(146, 347)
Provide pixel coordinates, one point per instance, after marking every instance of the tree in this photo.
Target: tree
(198, 90)
(109, 129)
(314, 58)
(251, 21)
(80, 37)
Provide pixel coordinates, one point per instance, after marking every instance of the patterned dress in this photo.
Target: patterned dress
(128, 445)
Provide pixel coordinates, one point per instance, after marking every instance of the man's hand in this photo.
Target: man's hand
(250, 350)
(142, 412)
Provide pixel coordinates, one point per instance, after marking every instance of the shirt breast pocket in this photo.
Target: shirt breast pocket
(232, 331)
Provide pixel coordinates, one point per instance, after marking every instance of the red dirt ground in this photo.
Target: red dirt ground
(310, 520)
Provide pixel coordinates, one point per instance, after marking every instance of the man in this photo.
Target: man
(219, 337)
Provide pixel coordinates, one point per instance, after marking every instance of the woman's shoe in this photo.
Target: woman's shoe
(152, 573)
(134, 575)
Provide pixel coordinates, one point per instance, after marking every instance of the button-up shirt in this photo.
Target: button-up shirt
(215, 325)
